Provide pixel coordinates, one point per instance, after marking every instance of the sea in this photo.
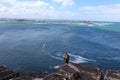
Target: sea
(37, 47)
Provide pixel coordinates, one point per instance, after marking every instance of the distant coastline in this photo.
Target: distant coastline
(14, 20)
(90, 23)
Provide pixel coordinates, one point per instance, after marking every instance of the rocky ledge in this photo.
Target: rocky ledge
(6, 74)
(74, 71)
(69, 71)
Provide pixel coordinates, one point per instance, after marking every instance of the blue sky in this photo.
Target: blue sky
(97, 10)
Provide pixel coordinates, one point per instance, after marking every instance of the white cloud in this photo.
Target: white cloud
(2, 8)
(31, 9)
(65, 3)
(39, 9)
(102, 12)
(8, 1)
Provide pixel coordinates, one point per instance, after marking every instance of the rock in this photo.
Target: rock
(74, 71)
(71, 71)
(112, 75)
(38, 79)
(92, 73)
(67, 71)
(84, 72)
(6, 74)
(54, 76)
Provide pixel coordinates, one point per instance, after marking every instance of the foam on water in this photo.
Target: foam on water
(115, 58)
(90, 25)
(102, 24)
(46, 23)
(55, 57)
(79, 59)
(43, 46)
(73, 58)
(56, 67)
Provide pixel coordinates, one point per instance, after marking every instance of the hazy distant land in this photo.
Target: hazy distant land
(89, 23)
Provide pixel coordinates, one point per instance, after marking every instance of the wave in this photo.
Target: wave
(56, 67)
(79, 59)
(113, 58)
(73, 58)
(43, 46)
(40, 23)
(102, 24)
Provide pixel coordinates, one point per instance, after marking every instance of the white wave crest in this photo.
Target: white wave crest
(79, 59)
(56, 67)
(73, 58)
(38, 23)
(115, 58)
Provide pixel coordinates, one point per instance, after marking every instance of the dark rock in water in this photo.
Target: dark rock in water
(74, 71)
(6, 74)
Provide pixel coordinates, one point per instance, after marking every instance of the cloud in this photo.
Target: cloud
(25, 8)
(2, 8)
(31, 10)
(102, 12)
(65, 3)
(39, 9)
(8, 1)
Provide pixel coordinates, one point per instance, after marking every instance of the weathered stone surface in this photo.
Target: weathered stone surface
(74, 71)
(6, 74)
(22, 78)
(54, 76)
(84, 72)
(69, 71)
(92, 73)
(112, 75)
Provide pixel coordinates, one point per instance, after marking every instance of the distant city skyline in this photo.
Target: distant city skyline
(93, 10)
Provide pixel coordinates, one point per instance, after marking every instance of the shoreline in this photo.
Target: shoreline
(4, 70)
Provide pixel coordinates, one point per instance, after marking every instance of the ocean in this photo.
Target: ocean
(39, 46)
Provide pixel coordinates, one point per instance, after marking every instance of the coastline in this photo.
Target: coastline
(82, 22)
(64, 71)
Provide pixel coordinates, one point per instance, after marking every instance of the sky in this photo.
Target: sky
(94, 10)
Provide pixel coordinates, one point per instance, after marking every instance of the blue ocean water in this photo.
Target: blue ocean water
(38, 47)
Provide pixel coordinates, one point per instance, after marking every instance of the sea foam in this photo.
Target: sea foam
(73, 58)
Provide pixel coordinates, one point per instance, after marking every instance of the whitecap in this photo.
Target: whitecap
(55, 57)
(102, 24)
(36, 23)
(90, 25)
(43, 46)
(79, 59)
(56, 67)
(115, 58)
(40, 23)
(73, 58)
